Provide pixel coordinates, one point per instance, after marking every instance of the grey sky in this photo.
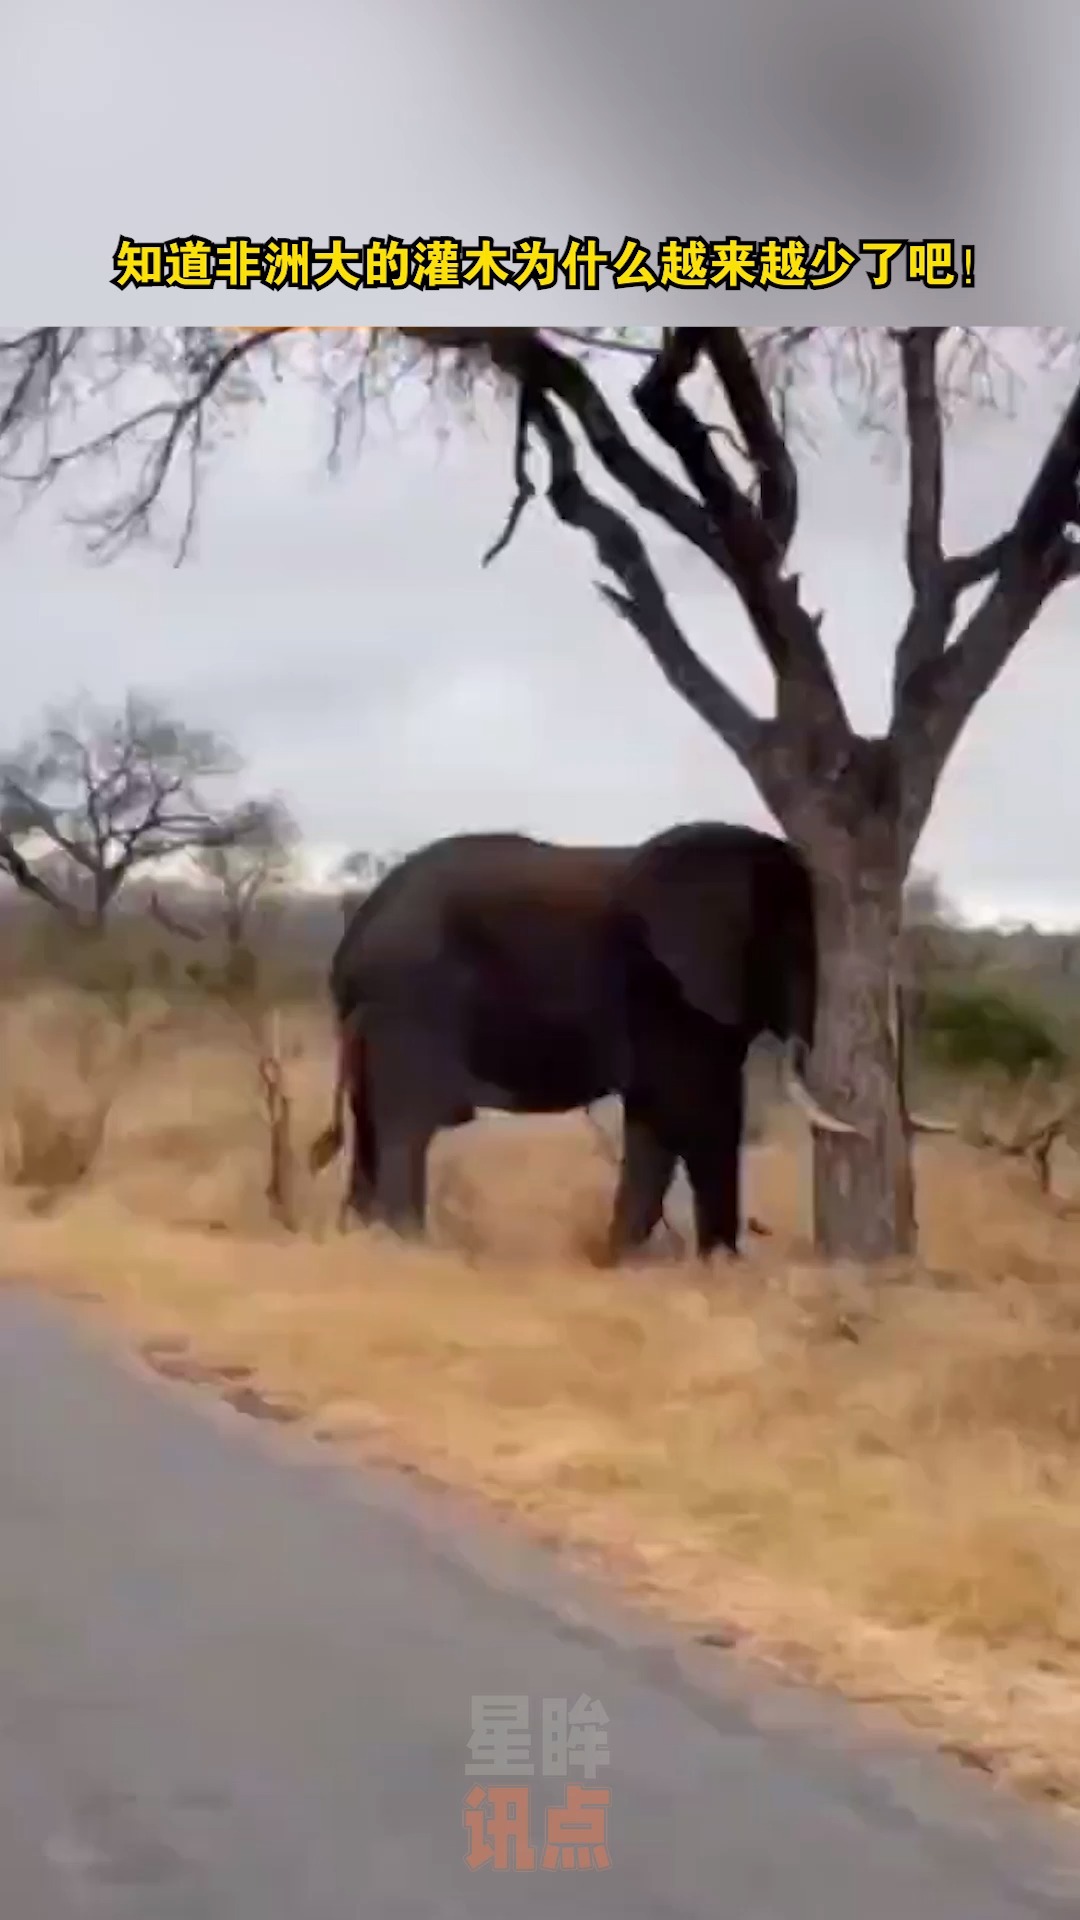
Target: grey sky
(341, 630)
(619, 117)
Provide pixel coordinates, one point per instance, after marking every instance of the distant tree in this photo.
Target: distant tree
(928, 933)
(258, 860)
(702, 444)
(244, 871)
(365, 869)
(100, 793)
(361, 872)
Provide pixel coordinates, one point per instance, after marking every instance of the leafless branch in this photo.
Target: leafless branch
(1034, 557)
(926, 455)
(245, 863)
(281, 1168)
(29, 881)
(110, 792)
(641, 600)
(718, 519)
(766, 445)
(171, 921)
(965, 570)
(55, 371)
(752, 546)
(937, 579)
(933, 598)
(537, 364)
(525, 490)
(1034, 1131)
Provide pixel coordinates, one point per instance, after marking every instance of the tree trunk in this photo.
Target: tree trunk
(863, 1191)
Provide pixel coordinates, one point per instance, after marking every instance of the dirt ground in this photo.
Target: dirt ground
(873, 1481)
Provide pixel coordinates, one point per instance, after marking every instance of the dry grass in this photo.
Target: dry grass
(877, 1482)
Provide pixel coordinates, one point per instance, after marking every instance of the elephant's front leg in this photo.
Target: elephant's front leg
(712, 1154)
(646, 1173)
(716, 1202)
(401, 1179)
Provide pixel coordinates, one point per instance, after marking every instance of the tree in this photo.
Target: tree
(854, 805)
(98, 794)
(928, 933)
(257, 860)
(365, 869)
(361, 872)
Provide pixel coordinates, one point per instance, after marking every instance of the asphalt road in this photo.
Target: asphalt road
(236, 1682)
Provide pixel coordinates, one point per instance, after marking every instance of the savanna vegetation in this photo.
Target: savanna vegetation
(870, 1482)
(696, 433)
(870, 1468)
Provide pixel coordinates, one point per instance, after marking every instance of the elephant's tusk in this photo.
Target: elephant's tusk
(801, 1097)
(921, 1123)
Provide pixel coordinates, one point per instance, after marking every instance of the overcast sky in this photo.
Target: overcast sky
(341, 630)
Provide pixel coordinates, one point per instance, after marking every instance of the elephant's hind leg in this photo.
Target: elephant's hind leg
(416, 1087)
(360, 1199)
(647, 1169)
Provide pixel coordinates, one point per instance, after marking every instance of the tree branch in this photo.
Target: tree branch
(170, 921)
(44, 819)
(926, 457)
(525, 490)
(965, 570)
(12, 863)
(751, 554)
(934, 585)
(778, 493)
(1032, 559)
(936, 697)
(204, 361)
(722, 523)
(525, 356)
(642, 601)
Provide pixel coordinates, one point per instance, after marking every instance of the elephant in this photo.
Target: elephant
(493, 970)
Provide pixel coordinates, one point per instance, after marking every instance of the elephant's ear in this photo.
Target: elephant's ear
(694, 917)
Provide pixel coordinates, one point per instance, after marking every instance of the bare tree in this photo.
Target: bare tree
(365, 869)
(361, 871)
(257, 860)
(98, 794)
(854, 805)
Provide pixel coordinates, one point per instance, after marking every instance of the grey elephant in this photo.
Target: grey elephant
(498, 971)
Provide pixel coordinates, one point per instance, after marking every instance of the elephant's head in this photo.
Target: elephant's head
(729, 913)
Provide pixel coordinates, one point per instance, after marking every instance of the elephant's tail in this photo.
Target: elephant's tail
(349, 1069)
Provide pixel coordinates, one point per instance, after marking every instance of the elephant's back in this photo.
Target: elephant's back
(503, 901)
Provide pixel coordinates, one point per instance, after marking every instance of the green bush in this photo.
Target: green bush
(975, 1030)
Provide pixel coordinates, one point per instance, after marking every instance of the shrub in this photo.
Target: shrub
(51, 1151)
(977, 1030)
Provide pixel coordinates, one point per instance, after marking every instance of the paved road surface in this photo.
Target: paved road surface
(235, 1685)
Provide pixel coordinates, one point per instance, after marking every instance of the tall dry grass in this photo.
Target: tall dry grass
(874, 1479)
